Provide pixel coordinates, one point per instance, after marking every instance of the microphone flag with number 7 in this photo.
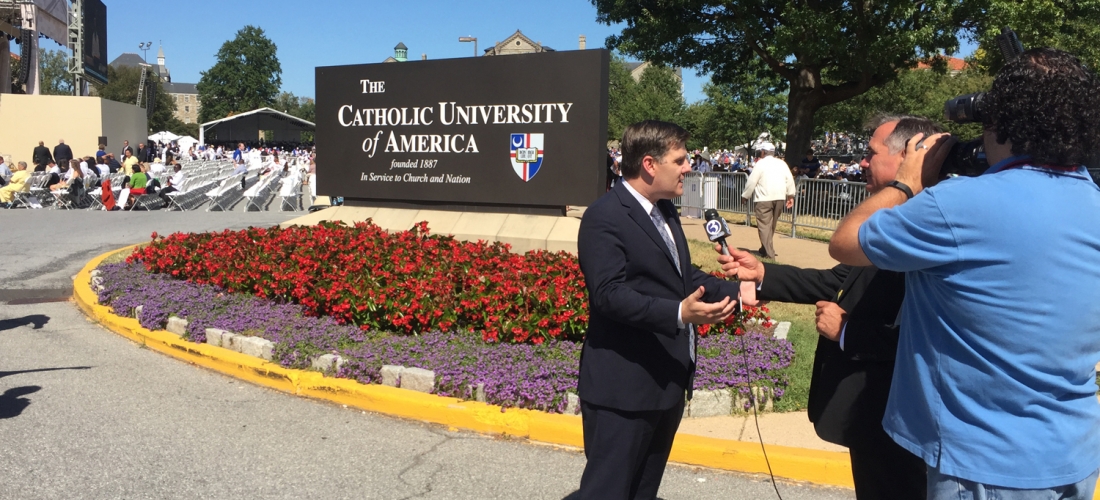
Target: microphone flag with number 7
(526, 154)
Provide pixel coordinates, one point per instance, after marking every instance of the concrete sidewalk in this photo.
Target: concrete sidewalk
(796, 252)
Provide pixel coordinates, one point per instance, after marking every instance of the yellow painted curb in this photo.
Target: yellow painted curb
(820, 467)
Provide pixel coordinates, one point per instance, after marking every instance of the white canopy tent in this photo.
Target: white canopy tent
(164, 136)
(186, 142)
(247, 126)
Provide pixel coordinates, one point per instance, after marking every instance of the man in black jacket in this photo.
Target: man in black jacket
(857, 309)
(62, 153)
(144, 154)
(638, 357)
(41, 157)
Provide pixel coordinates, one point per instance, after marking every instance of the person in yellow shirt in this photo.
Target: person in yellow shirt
(128, 162)
(16, 184)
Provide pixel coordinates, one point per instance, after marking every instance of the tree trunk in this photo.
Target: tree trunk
(802, 103)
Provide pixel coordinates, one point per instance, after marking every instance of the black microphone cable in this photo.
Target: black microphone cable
(755, 417)
(717, 231)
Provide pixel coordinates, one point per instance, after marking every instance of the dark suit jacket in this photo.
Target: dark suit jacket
(634, 356)
(62, 153)
(41, 155)
(849, 387)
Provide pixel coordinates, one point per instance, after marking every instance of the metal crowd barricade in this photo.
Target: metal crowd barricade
(819, 203)
(822, 203)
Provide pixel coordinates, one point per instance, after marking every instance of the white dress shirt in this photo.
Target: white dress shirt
(648, 207)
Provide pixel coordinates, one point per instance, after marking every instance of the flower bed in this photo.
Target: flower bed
(514, 375)
(406, 282)
(402, 282)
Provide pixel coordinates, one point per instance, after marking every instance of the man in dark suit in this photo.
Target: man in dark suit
(857, 308)
(638, 357)
(144, 154)
(126, 146)
(41, 157)
(62, 153)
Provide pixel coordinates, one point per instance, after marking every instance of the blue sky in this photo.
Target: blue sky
(327, 33)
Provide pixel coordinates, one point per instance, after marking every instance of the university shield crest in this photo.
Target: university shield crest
(526, 153)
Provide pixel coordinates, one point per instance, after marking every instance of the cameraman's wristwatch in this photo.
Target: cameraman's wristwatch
(901, 186)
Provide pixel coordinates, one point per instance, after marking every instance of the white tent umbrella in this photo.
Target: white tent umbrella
(186, 142)
(164, 136)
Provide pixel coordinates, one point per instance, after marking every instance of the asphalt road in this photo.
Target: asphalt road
(85, 413)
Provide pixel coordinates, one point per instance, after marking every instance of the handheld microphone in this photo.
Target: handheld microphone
(717, 229)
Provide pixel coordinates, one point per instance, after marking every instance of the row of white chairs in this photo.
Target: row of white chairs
(205, 181)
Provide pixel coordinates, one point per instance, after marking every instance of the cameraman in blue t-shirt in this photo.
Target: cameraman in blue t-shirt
(994, 385)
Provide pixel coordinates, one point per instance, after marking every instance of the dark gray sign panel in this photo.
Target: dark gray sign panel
(94, 44)
(525, 130)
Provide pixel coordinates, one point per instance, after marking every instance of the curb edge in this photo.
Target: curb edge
(818, 467)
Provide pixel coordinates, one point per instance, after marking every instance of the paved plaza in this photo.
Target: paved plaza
(86, 413)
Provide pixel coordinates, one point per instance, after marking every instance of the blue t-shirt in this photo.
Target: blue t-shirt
(1000, 329)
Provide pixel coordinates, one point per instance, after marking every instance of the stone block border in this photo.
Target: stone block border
(820, 467)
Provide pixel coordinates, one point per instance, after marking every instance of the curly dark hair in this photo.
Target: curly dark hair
(1048, 105)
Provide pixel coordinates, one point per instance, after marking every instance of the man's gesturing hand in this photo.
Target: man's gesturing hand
(694, 310)
(741, 265)
(830, 320)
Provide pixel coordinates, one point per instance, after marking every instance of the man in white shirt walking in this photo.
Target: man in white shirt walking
(772, 183)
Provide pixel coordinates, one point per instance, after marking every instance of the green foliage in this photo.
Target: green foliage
(1070, 25)
(655, 96)
(14, 66)
(53, 76)
(828, 51)
(916, 92)
(622, 91)
(123, 87)
(736, 112)
(301, 107)
(245, 77)
(176, 126)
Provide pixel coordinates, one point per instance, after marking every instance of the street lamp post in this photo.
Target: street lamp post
(144, 46)
(469, 39)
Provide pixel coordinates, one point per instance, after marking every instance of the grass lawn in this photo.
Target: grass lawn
(803, 333)
(784, 228)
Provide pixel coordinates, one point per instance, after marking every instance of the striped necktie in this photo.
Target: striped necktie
(659, 221)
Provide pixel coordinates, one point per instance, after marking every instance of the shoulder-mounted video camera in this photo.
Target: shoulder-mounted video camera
(968, 158)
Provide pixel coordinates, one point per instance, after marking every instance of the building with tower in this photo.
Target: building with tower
(400, 54)
(185, 95)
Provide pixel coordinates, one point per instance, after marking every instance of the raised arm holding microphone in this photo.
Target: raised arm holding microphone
(856, 311)
(995, 383)
(638, 359)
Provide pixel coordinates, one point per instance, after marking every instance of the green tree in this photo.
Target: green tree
(54, 77)
(246, 76)
(735, 113)
(13, 64)
(1070, 25)
(123, 87)
(920, 92)
(655, 96)
(176, 126)
(659, 94)
(621, 100)
(301, 107)
(827, 51)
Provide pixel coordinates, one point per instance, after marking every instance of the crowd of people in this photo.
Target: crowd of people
(151, 168)
(812, 166)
